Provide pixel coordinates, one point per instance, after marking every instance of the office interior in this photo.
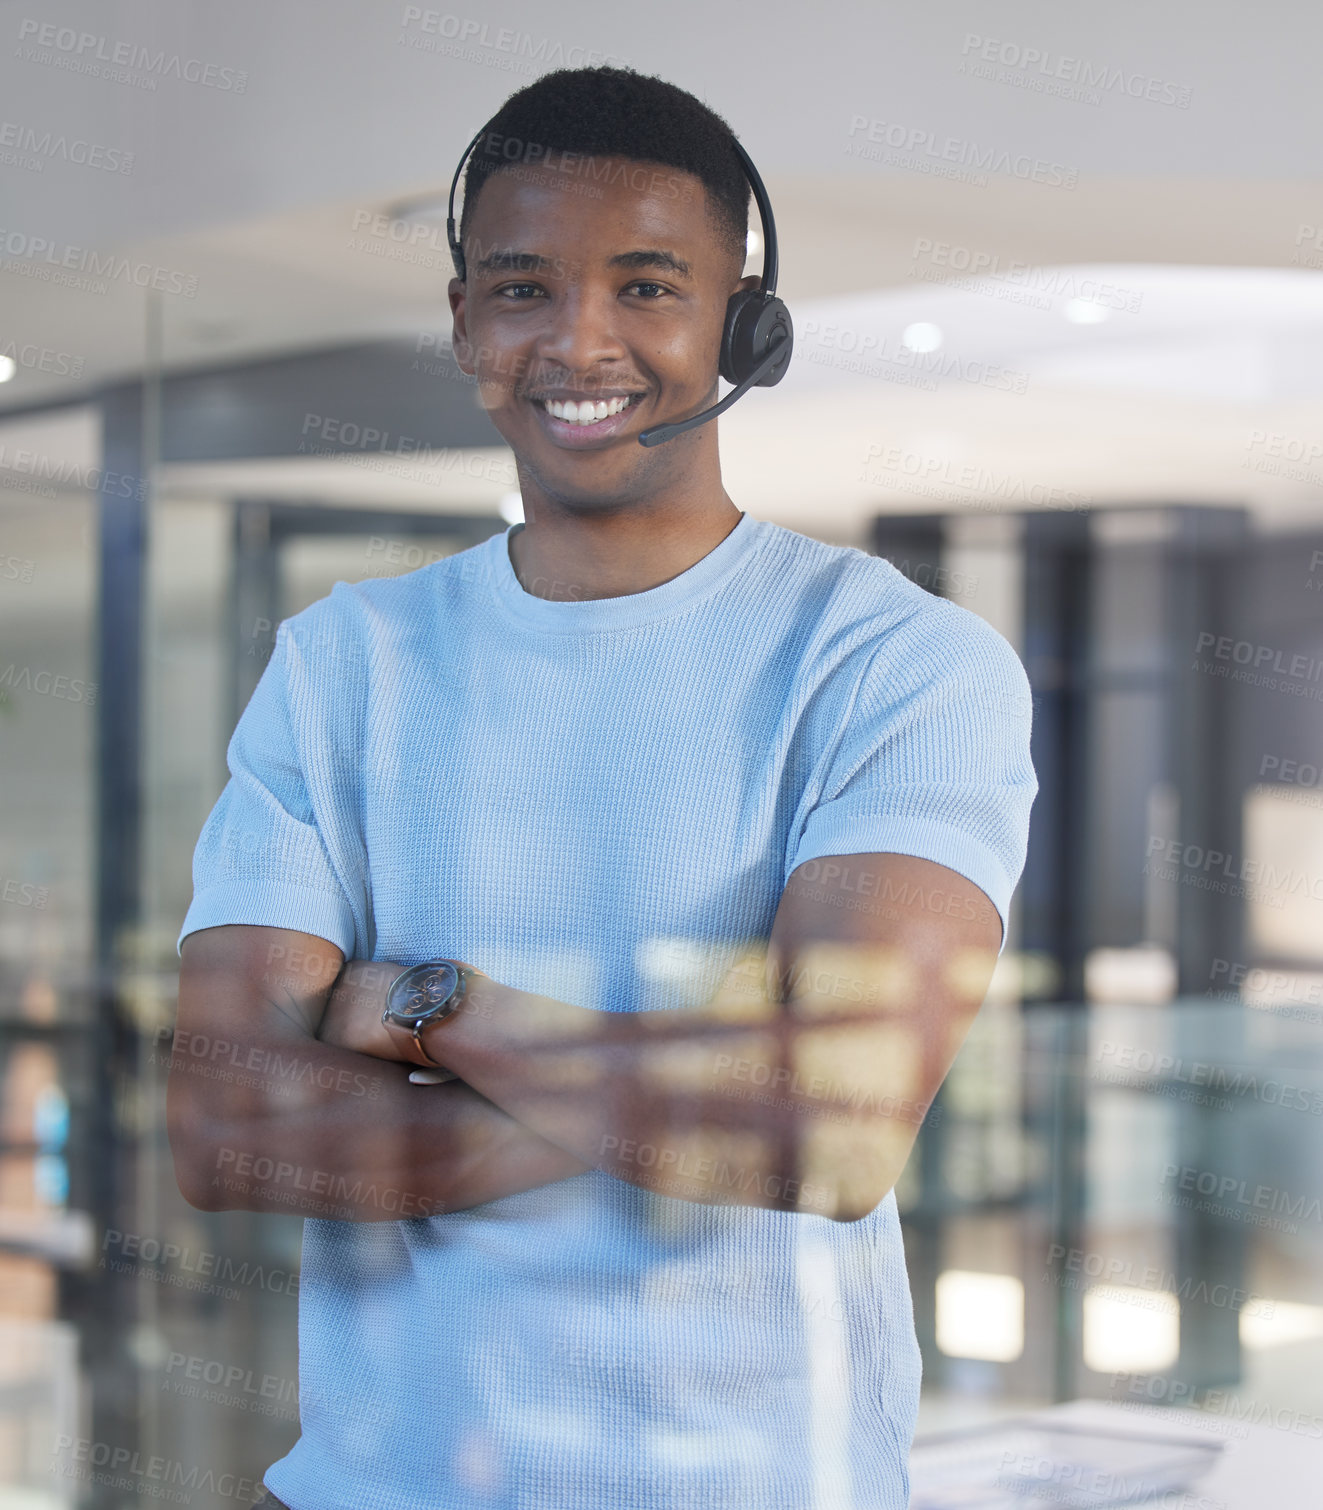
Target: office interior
(1067, 372)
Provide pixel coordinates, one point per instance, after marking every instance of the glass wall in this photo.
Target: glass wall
(1084, 409)
(1114, 1198)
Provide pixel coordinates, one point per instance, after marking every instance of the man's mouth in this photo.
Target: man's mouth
(576, 422)
(587, 411)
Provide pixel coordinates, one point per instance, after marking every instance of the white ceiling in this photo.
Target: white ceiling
(1200, 209)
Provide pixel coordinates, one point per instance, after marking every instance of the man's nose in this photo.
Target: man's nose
(581, 331)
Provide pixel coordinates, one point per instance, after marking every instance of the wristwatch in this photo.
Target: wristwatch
(424, 994)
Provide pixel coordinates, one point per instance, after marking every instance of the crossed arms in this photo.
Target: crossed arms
(799, 1086)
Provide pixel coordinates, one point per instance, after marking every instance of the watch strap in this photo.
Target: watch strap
(426, 1060)
(462, 973)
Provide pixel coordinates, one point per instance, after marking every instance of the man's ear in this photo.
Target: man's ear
(752, 280)
(457, 293)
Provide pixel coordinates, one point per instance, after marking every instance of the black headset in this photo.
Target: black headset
(758, 336)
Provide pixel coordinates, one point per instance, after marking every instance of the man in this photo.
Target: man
(719, 827)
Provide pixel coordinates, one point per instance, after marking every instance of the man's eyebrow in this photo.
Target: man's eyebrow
(653, 257)
(507, 260)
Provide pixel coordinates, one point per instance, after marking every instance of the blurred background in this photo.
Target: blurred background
(1058, 289)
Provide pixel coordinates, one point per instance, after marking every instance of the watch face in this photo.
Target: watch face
(422, 990)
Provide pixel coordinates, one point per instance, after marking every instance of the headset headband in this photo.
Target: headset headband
(767, 282)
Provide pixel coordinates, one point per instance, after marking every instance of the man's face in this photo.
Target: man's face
(605, 286)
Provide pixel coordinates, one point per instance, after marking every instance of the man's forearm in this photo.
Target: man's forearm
(603, 1086)
(811, 1105)
(800, 1085)
(407, 1151)
(280, 1121)
(812, 1115)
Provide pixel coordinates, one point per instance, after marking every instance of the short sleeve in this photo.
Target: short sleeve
(931, 758)
(279, 849)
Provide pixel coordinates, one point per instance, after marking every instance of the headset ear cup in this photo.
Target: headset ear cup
(754, 322)
(736, 334)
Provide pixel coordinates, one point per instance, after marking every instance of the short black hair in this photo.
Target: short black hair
(616, 112)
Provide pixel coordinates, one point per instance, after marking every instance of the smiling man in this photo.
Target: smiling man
(594, 914)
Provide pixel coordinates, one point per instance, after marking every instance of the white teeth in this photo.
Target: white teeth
(585, 411)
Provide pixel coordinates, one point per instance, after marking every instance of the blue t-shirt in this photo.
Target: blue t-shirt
(601, 801)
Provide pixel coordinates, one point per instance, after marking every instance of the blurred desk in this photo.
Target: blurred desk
(1259, 1465)
(1254, 1466)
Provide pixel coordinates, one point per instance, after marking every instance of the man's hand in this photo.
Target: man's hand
(337, 1137)
(352, 1019)
(801, 1085)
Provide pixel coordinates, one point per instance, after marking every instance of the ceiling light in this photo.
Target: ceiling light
(980, 1315)
(1130, 1330)
(1086, 312)
(426, 209)
(1279, 1321)
(8, 367)
(921, 337)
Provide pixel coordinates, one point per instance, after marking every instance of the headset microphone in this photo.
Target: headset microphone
(658, 433)
(757, 336)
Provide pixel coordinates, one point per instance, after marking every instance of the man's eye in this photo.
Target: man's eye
(659, 289)
(518, 290)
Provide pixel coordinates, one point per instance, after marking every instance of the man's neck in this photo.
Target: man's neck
(576, 557)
